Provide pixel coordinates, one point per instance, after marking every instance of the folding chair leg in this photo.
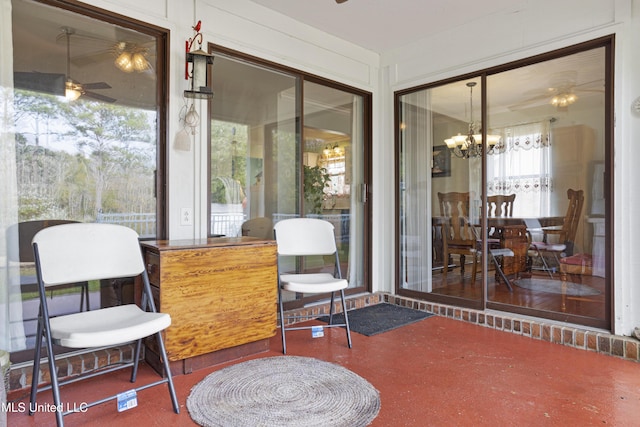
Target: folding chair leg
(331, 308)
(84, 296)
(167, 369)
(136, 359)
(55, 388)
(346, 318)
(545, 266)
(281, 308)
(35, 376)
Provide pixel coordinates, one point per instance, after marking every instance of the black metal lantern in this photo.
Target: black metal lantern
(200, 62)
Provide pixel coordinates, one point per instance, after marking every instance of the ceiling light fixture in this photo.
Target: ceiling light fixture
(71, 91)
(563, 99)
(131, 57)
(333, 152)
(470, 145)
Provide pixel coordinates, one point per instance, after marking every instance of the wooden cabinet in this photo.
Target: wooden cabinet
(221, 294)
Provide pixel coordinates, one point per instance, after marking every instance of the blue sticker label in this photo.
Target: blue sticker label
(127, 400)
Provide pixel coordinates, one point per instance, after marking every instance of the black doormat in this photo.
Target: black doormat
(378, 318)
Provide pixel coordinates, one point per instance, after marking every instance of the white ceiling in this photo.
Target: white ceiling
(382, 25)
(379, 25)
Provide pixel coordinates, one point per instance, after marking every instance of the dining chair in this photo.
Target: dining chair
(300, 238)
(261, 227)
(458, 234)
(72, 253)
(500, 205)
(559, 242)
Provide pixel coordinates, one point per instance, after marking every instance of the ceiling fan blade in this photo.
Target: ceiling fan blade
(92, 58)
(52, 83)
(98, 96)
(528, 101)
(96, 85)
(340, 1)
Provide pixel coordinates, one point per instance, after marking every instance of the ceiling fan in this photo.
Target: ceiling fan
(562, 92)
(127, 54)
(75, 89)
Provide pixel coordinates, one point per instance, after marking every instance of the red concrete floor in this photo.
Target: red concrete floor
(437, 372)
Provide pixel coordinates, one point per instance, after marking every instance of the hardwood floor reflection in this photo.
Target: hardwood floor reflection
(461, 286)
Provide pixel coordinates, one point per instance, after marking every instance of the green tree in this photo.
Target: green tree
(76, 158)
(104, 133)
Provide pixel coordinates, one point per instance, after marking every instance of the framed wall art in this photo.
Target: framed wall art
(440, 162)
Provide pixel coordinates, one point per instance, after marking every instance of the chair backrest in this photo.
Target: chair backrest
(261, 227)
(454, 204)
(23, 233)
(305, 236)
(454, 207)
(500, 205)
(572, 217)
(81, 252)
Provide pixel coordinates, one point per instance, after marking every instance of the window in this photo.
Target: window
(521, 165)
(87, 146)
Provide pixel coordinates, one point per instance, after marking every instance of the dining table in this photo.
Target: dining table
(508, 240)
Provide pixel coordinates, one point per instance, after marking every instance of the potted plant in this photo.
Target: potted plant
(316, 179)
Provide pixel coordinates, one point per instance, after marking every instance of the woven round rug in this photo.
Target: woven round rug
(283, 391)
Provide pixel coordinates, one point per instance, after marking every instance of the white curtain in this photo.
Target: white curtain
(521, 165)
(11, 328)
(354, 175)
(417, 142)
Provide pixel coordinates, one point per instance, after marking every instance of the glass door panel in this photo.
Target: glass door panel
(537, 210)
(553, 161)
(284, 147)
(440, 190)
(70, 158)
(333, 175)
(253, 166)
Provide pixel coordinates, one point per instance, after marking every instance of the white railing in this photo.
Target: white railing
(226, 224)
(341, 222)
(143, 223)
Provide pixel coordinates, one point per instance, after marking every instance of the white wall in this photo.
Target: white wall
(249, 28)
(526, 29)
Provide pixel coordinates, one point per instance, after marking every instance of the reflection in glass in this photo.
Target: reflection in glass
(533, 239)
(89, 157)
(275, 157)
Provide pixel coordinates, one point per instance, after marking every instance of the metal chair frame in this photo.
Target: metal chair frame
(84, 252)
(300, 237)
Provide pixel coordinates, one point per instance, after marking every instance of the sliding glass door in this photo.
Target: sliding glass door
(284, 145)
(516, 200)
(72, 75)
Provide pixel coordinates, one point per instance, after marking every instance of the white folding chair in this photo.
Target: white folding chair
(73, 253)
(303, 237)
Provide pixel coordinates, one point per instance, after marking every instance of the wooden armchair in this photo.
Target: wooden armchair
(458, 235)
(559, 242)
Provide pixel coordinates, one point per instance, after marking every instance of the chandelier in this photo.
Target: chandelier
(334, 152)
(470, 145)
